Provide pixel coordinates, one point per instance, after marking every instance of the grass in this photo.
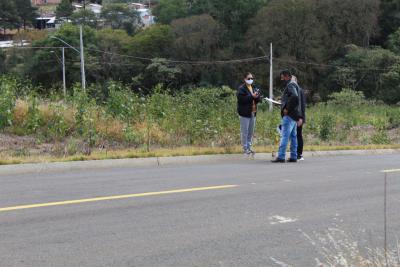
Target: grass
(195, 121)
(337, 248)
(165, 152)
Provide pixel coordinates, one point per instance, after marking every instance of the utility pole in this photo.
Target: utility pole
(271, 75)
(81, 54)
(63, 70)
(82, 61)
(62, 62)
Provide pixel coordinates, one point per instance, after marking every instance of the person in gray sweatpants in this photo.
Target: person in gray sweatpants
(248, 97)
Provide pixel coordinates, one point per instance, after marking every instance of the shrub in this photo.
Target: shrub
(347, 98)
(7, 101)
(327, 125)
(33, 120)
(58, 126)
(122, 103)
(132, 136)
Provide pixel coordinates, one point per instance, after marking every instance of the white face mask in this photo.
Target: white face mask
(249, 82)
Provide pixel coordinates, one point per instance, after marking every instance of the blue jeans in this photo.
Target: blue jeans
(289, 131)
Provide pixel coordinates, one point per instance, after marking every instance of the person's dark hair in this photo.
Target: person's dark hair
(286, 73)
(247, 74)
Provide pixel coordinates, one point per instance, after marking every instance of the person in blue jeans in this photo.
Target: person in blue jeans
(290, 115)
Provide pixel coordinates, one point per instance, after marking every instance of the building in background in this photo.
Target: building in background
(137, 6)
(146, 17)
(45, 23)
(45, 2)
(95, 8)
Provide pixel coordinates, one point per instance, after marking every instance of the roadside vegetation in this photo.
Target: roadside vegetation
(87, 123)
(171, 85)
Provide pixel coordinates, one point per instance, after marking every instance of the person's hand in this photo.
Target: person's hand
(299, 122)
(255, 95)
(285, 111)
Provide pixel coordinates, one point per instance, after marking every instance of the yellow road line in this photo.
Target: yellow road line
(79, 201)
(389, 171)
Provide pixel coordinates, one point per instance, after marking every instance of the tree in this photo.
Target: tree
(197, 38)
(26, 12)
(235, 15)
(152, 42)
(64, 9)
(43, 66)
(8, 15)
(119, 16)
(389, 19)
(111, 64)
(168, 10)
(348, 22)
(291, 26)
(159, 71)
(394, 42)
(2, 62)
(312, 31)
(373, 71)
(84, 17)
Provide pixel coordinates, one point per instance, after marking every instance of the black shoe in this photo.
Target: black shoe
(292, 160)
(278, 160)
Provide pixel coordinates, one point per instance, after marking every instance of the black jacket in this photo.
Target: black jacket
(302, 104)
(290, 101)
(245, 100)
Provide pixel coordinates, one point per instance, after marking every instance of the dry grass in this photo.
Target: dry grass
(339, 249)
(20, 112)
(101, 154)
(336, 248)
(110, 128)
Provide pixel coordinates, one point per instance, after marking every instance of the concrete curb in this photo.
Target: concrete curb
(165, 161)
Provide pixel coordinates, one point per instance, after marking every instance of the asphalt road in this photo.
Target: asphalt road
(263, 215)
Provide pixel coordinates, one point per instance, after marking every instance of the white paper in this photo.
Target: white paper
(272, 101)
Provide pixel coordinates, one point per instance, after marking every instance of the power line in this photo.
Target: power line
(186, 61)
(329, 65)
(215, 62)
(173, 61)
(35, 47)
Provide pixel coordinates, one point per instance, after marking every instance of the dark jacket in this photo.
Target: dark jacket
(290, 100)
(302, 104)
(245, 100)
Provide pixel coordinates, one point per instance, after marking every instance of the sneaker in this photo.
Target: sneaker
(300, 158)
(292, 160)
(278, 160)
(252, 152)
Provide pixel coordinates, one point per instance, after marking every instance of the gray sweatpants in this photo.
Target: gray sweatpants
(247, 127)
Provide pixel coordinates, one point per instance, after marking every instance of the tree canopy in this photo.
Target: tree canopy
(328, 44)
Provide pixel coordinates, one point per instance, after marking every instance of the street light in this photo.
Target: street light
(80, 52)
(270, 75)
(63, 69)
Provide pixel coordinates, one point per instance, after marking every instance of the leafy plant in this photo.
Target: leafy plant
(7, 101)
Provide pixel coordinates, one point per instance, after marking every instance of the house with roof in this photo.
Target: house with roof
(146, 17)
(45, 2)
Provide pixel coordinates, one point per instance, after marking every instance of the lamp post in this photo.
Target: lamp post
(81, 54)
(63, 69)
(271, 92)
